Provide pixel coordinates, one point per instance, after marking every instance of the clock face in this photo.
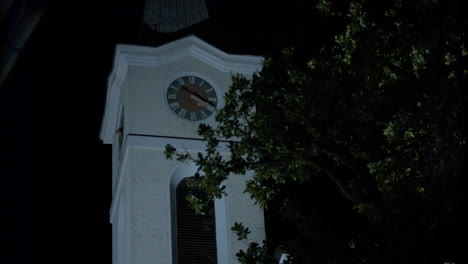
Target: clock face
(191, 98)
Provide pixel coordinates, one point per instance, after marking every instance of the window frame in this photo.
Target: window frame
(222, 226)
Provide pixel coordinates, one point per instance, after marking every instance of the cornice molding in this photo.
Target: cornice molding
(153, 143)
(134, 55)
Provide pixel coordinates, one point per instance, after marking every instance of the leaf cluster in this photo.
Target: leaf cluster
(374, 112)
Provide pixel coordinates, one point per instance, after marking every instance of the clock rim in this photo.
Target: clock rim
(196, 74)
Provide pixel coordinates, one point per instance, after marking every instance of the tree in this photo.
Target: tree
(367, 128)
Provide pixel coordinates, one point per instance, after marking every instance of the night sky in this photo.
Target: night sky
(56, 173)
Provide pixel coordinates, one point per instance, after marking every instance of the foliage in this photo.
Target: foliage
(254, 253)
(371, 122)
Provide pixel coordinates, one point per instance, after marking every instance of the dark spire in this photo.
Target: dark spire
(173, 15)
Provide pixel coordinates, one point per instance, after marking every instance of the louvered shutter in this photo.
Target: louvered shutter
(196, 234)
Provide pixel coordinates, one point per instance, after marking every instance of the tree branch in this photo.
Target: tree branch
(341, 187)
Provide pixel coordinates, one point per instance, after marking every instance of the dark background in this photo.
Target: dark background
(56, 173)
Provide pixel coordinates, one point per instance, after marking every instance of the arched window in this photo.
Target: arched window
(195, 234)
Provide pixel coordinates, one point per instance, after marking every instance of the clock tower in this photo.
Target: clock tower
(158, 96)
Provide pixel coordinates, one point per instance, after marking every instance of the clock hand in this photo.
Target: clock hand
(200, 100)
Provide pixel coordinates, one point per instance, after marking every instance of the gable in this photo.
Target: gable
(155, 57)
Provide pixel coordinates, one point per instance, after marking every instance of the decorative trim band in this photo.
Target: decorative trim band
(155, 143)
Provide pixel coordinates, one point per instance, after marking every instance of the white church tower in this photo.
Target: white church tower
(158, 96)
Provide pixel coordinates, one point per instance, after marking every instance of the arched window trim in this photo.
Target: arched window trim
(222, 225)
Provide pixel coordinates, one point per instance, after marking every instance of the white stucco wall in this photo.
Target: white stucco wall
(150, 67)
(116, 152)
(242, 209)
(148, 186)
(147, 194)
(141, 175)
(149, 114)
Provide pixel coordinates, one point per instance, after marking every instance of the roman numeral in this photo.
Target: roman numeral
(193, 116)
(209, 90)
(203, 114)
(182, 112)
(213, 99)
(210, 108)
(181, 81)
(191, 79)
(174, 105)
(171, 96)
